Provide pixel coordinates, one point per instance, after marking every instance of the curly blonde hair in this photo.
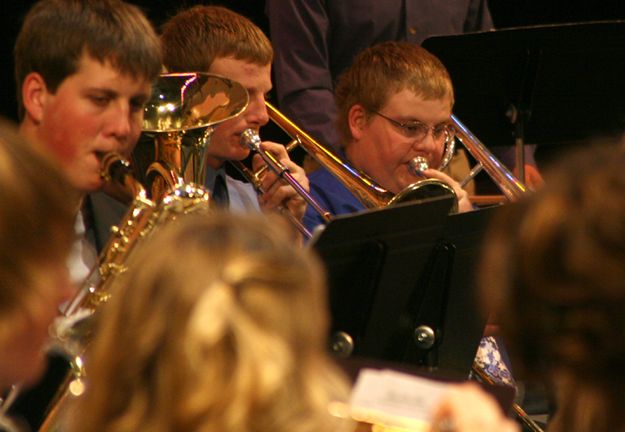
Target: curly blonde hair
(220, 325)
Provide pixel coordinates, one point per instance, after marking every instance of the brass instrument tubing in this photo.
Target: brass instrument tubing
(8, 400)
(474, 171)
(370, 194)
(250, 139)
(254, 179)
(289, 147)
(511, 187)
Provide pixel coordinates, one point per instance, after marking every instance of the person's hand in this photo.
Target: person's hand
(468, 408)
(464, 204)
(277, 192)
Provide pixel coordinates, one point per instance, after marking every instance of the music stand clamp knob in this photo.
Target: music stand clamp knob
(424, 337)
(342, 344)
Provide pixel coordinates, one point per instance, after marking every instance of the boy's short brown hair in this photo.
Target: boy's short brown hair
(385, 69)
(57, 33)
(195, 37)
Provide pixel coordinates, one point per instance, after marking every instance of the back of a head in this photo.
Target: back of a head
(387, 68)
(219, 324)
(195, 37)
(553, 270)
(36, 225)
(57, 33)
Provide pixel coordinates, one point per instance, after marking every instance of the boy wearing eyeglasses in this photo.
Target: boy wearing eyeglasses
(394, 104)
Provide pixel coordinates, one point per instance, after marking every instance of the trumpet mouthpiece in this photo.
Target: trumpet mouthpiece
(418, 165)
(250, 139)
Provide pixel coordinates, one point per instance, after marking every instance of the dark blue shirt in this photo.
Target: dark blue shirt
(332, 195)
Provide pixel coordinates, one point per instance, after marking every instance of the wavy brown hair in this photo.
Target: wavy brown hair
(554, 269)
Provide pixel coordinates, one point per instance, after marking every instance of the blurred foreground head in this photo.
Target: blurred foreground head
(36, 231)
(554, 272)
(220, 324)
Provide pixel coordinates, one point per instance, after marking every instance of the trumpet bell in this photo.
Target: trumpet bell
(177, 126)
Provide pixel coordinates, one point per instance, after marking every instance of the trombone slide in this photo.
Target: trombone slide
(250, 139)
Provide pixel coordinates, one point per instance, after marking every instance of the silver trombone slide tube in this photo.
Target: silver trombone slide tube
(511, 186)
(250, 139)
(474, 171)
(254, 179)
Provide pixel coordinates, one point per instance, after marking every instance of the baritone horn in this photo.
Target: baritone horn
(178, 122)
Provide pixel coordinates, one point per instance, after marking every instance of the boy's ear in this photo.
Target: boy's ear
(357, 120)
(34, 96)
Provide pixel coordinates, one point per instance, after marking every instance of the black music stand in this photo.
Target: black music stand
(554, 85)
(394, 270)
(458, 322)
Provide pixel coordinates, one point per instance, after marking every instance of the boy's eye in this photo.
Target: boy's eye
(99, 100)
(137, 105)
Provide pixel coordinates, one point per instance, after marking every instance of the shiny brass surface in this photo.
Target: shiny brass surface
(368, 192)
(186, 101)
(178, 124)
(360, 184)
(372, 195)
(507, 182)
(73, 332)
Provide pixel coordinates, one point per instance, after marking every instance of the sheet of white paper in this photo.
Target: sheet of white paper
(395, 398)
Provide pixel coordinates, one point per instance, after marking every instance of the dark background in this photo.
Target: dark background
(506, 13)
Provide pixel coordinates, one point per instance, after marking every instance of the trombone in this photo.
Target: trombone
(368, 192)
(372, 195)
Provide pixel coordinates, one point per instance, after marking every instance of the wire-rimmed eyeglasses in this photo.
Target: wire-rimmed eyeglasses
(419, 130)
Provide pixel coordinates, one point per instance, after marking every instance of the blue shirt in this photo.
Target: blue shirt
(332, 195)
(242, 197)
